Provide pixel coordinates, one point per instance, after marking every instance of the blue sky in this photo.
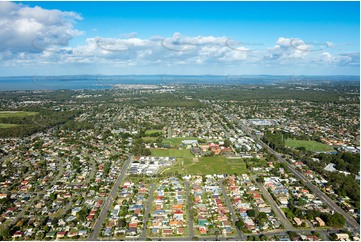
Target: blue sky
(283, 38)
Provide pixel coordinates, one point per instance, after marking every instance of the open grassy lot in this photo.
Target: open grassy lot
(149, 139)
(175, 142)
(6, 126)
(309, 145)
(208, 165)
(152, 131)
(9, 114)
(172, 153)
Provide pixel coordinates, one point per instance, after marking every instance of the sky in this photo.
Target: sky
(179, 38)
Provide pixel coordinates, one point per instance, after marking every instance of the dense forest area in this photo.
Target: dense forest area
(248, 92)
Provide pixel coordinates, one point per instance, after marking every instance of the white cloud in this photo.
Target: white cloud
(342, 59)
(328, 58)
(288, 49)
(330, 44)
(37, 37)
(27, 29)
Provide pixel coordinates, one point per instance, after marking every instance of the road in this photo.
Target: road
(233, 214)
(147, 211)
(352, 223)
(299, 231)
(169, 132)
(190, 218)
(201, 238)
(109, 201)
(279, 213)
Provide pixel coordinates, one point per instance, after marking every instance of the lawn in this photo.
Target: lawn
(149, 139)
(309, 145)
(209, 165)
(152, 131)
(175, 142)
(172, 153)
(6, 126)
(9, 114)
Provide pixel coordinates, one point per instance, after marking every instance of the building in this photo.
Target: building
(297, 221)
(330, 167)
(320, 222)
(189, 143)
(342, 237)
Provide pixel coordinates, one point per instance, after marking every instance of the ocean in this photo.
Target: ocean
(106, 82)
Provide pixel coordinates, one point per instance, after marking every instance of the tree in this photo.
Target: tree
(82, 214)
(251, 213)
(262, 216)
(227, 143)
(46, 228)
(216, 233)
(52, 196)
(39, 235)
(301, 202)
(260, 179)
(5, 232)
(263, 237)
(239, 224)
(122, 223)
(334, 220)
(292, 234)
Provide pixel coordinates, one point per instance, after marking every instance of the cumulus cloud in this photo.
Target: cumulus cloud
(32, 36)
(288, 49)
(350, 59)
(28, 29)
(177, 49)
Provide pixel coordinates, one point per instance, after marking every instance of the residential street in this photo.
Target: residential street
(229, 205)
(147, 211)
(190, 219)
(286, 223)
(103, 214)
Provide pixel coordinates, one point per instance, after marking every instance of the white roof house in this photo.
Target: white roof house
(330, 167)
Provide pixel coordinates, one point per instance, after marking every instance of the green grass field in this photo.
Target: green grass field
(172, 153)
(208, 165)
(6, 126)
(9, 114)
(152, 131)
(149, 139)
(175, 142)
(309, 145)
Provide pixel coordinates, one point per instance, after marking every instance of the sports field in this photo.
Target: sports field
(6, 126)
(152, 131)
(184, 153)
(10, 114)
(308, 145)
(149, 139)
(208, 165)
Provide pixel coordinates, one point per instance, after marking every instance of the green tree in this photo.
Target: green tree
(251, 213)
(240, 224)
